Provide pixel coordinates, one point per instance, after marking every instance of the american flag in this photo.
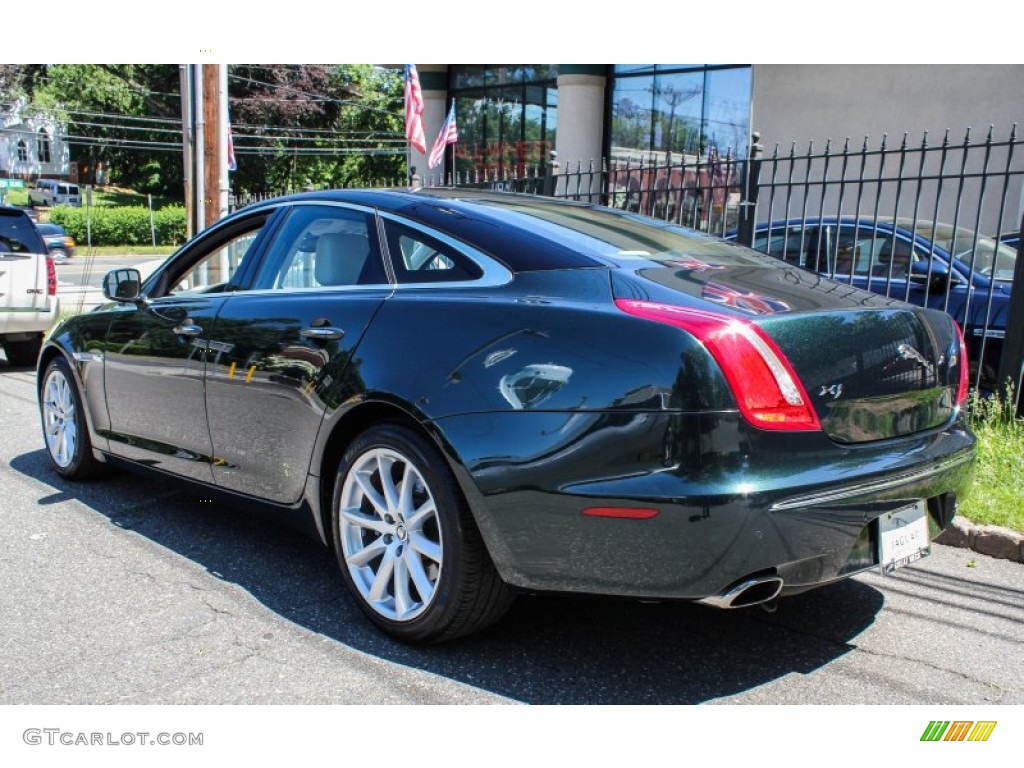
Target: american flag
(449, 135)
(414, 110)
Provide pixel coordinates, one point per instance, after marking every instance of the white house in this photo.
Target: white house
(32, 144)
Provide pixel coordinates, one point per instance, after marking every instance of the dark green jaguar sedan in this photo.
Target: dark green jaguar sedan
(466, 394)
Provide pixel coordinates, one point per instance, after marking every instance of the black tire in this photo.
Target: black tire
(441, 583)
(58, 253)
(60, 407)
(22, 354)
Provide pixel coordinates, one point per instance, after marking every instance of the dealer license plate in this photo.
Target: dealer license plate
(903, 537)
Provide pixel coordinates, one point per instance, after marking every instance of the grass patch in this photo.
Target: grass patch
(997, 497)
(124, 250)
(17, 197)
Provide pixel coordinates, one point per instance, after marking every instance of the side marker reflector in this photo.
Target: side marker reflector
(629, 513)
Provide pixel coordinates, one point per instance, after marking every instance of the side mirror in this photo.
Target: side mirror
(122, 285)
(939, 278)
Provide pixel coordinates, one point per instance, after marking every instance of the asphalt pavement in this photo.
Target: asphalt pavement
(129, 590)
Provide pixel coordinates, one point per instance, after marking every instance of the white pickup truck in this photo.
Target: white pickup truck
(28, 288)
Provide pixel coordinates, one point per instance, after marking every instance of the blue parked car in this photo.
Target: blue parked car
(967, 275)
(1011, 239)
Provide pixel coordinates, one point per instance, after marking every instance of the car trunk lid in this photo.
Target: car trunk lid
(873, 368)
(873, 374)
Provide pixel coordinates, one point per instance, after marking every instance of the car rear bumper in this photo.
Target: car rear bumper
(731, 501)
(28, 322)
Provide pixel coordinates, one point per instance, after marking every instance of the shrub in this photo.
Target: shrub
(123, 225)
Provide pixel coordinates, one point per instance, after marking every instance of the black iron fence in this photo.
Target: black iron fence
(936, 223)
(933, 222)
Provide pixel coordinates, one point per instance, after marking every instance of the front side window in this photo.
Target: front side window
(323, 246)
(215, 270)
(869, 254)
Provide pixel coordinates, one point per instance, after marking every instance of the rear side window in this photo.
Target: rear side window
(420, 258)
(18, 234)
(788, 244)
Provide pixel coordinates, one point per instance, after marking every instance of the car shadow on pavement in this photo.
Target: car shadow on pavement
(548, 649)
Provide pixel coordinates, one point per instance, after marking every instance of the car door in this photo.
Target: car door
(288, 347)
(156, 352)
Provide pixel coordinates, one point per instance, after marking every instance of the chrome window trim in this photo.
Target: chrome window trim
(494, 274)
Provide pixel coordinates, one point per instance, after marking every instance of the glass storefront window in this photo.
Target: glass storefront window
(727, 108)
(678, 111)
(631, 114)
(508, 124)
(681, 109)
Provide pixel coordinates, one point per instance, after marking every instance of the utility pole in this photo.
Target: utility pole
(204, 115)
(211, 142)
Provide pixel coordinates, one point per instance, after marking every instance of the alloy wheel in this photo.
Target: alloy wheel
(390, 534)
(60, 422)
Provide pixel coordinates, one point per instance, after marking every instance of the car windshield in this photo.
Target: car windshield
(50, 229)
(987, 257)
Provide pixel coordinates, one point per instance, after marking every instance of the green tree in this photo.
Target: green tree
(293, 125)
(325, 125)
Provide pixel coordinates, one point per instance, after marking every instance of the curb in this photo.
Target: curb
(991, 540)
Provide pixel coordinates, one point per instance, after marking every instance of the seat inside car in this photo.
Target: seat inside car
(340, 258)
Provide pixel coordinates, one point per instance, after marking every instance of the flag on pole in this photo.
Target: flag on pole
(414, 110)
(449, 135)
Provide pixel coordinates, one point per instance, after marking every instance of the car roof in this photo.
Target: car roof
(485, 219)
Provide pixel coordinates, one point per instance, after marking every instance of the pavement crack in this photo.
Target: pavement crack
(930, 665)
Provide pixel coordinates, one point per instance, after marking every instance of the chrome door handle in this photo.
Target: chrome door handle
(322, 334)
(187, 329)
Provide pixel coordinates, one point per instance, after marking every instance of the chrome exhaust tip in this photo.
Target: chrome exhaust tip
(756, 591)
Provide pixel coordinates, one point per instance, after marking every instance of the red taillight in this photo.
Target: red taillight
(965, 376)
(766, 387)
(51, 277)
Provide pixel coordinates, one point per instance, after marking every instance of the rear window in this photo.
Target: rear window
(617, 234)
(18, 234)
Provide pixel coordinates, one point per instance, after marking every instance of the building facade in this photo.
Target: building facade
(511, 115)
(32, 144)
